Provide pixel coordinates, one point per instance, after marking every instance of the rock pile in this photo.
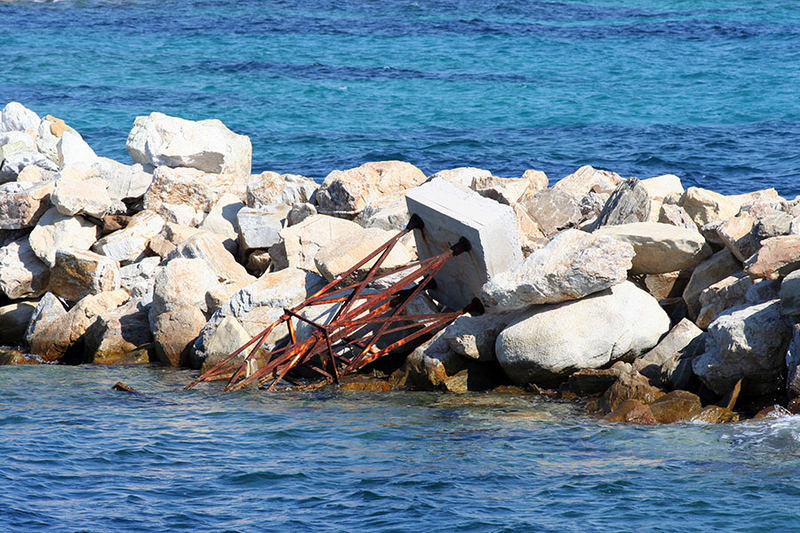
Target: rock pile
(657, 301)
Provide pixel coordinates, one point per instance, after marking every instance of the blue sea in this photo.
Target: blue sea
(707, 90)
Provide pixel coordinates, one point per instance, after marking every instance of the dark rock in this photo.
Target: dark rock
(629, 386)
(632, 412)
(713, 414)
(674, 406)
(590, 381)
(629, 202)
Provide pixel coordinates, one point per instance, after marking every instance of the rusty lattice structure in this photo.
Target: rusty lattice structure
(349, 339)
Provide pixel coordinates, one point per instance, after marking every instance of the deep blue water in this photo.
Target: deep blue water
(706, 89)
(77, 456)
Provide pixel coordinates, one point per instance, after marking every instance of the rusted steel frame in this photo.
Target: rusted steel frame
(253, 355)
(218, 368)
(290, 326)
(298, 349)
(402, 318)
(330, 352)
(291, 364)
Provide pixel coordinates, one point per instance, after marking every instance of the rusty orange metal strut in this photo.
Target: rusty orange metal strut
(349, 340)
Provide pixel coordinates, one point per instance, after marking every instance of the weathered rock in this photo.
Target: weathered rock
(676, 215)
(364, 384)
(706, 206)
(52, 341)
(461, 176)
(22, 274)
(504, 190)
(77, 194)
(209, 248)
(530, 236)
(773, 225)
(129, 244)
(34, 174)
(572, 265)
(48, 135)
(79, 273)
(429, 366)
(793, 363)
(719, 266)
(450, 213)
(15, 162)
(761, 291)
(14, 319)
(748, 343)
(475, 336)
(302, 242)
(17, 117)
(301, 211)
(738, 235)
(257, 229)
(552, 210)
(47, 310)
(223, 220)
(537, 180)
(22, 204)
(789, 293)
(182, 282)
(123, 182)
(776, 258)
(589, 381)
(228, 336)
(270, 191)
(72, 150)
(674, 406)
(660, 247)
(713, 414)
(138, 279)
(387, 213)
(351, 190)
(206, 145)
(632, 412)
(629, 386)
(724, 294)
(174, 333)
(258, 262)
(667, 284)
(345, 251)
(629, 203)
(588, 179)
(661, 187)
(185, 195)
(552, 341)
(55, 231)
(680, 345)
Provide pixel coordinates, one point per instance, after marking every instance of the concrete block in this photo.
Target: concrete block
(450, 213)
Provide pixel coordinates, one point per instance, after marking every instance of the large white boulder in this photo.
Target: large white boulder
(22, 274)
(17, 117)
(270, 191)
(206, 145)
(301, 242)
(55, 231)
(129, 243)
(72, 150)
(351, 190)
(80, 193)
(123, 182)
(551, 341)
(572, 265)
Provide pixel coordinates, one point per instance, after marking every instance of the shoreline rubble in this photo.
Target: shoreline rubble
(650, 302)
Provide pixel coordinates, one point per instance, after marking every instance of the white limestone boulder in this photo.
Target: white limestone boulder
(351, 190)
(223, 220)
(257, 229)
(17, 117)
(79, 273)
(572, 265)
(80, 193)
(72, 150)
(658, 247)
(300, 243)
(550, 342)
(123, 182)
(270, 191)
(138, 279)
(206, 145)
(129, 243)
(347, 250)
(55, 231)
(22, 274)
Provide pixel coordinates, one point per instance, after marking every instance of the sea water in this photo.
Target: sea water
(707, 90)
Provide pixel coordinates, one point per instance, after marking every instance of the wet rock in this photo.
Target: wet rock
(713, 414)
(270, 191)
(302, 242)
(22, 274)
(674, 406)
(15, 357)
(55, 231)
(749, 343)
(629, 203)
(223, 220)
(351, 190)
(429, 366)
(772, 411)
(79, 273)
(17, 117)
(366, 385)
(552, 210)
(793, 363)
(118, 332)
(719, 266)
(450, 213)
(14, 319)
(22, 204)
(590, 381)
(123, 182)
(572, 265)
(257, 229)
(130, 243)
(681, 344)
(660, 247)
(588, 179)
(552, 341)
(475, 336)
(206, 145)
(632, 412)
(186, 195)
(343, 252)
(629, 386)
(776, 258)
